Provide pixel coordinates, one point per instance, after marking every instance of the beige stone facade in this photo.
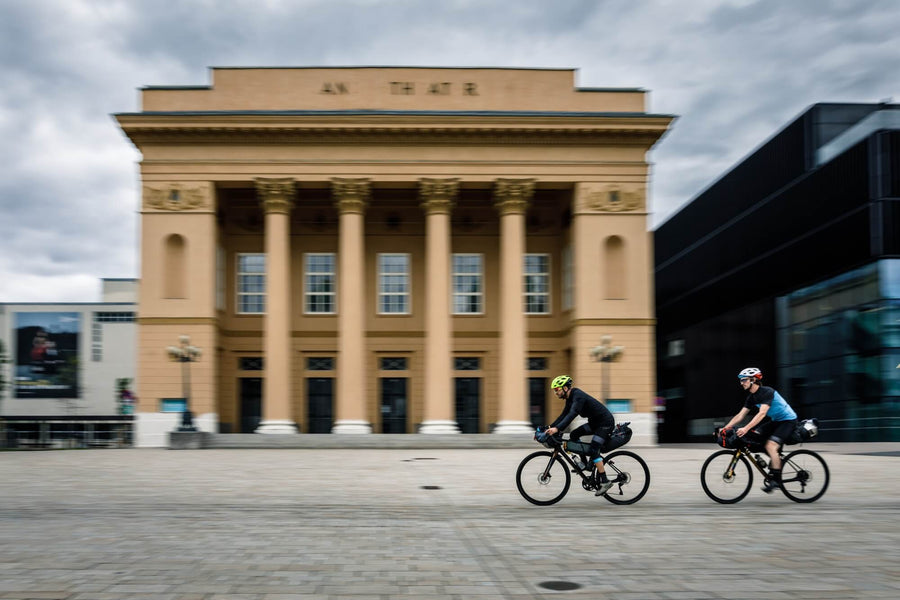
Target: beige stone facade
(364, 232)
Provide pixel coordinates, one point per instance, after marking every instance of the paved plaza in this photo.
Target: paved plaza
(292, 524)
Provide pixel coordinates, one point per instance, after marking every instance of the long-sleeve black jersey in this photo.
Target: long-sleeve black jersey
(580, 404)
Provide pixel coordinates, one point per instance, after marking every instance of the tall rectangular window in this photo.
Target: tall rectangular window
(251, 283)
(393, 284)
(568, 291)
(468, 287)
(319, 283)
(220, 278)
(537, 284)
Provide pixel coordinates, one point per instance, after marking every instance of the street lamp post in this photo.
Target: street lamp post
(606, 353)
(185, 354)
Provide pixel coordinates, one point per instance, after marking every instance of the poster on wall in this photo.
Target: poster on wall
(47, 354)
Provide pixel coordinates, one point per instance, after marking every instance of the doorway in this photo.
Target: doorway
(251, 403)
(393, 404)
(468, 398)
(537, 398)
(320, 404)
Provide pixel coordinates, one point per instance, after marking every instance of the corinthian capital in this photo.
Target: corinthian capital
(351, 195)
(511, 196)
(438, 195)
(276, 195)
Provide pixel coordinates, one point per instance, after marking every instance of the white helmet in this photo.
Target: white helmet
(751, 372)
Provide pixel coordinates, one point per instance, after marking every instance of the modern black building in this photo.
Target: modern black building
(791, 263)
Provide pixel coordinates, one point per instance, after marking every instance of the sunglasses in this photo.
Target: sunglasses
(743, 379)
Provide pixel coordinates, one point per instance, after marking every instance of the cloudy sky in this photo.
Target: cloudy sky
(734, 71)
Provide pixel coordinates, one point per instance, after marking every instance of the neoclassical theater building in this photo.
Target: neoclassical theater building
(392, 250)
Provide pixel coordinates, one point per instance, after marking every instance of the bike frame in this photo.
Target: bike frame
(752, 456)
(559, 451)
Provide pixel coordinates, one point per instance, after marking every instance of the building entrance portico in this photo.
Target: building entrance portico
(386, 243)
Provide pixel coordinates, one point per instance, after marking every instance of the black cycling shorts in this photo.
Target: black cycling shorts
(778, 431)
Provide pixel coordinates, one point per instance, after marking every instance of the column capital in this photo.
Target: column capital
(511, 196)
(351, 195)
(276, 195)
(438, 195)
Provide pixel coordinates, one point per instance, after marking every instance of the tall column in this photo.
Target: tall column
(277, 199)
(511, 197)
(351, 197)
(437, 200)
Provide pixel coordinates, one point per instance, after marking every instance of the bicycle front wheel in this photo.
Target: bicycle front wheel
(543, 479)
(725, 478)
(804, 476)
(630, 477)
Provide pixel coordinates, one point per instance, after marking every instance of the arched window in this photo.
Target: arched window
(175, 267)
(614, 268)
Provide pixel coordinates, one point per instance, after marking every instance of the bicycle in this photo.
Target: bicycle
(726, 476)
(544, 477)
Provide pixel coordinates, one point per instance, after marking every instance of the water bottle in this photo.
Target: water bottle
(759, 460)
(578, 463)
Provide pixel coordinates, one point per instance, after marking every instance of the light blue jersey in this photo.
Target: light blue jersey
(779, 409)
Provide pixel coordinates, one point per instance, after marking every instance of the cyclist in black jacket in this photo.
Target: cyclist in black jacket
(600, 422)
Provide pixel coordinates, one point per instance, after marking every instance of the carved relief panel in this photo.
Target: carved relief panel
(611, 197)
(177, 197)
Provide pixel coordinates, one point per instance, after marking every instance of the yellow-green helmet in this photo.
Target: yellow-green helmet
(561, 381)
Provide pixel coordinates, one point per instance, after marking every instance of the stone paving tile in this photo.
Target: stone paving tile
(285, 524)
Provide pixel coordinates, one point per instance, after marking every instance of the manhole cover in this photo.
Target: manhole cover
(559, 586)
(431, 487)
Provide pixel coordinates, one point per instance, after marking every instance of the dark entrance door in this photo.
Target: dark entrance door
(251, 403)
(537, 395)
(393, 405)
(320, 398)
(468, 396)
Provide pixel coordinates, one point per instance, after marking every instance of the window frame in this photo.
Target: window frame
(548, 279)
(334, 283)
(380, 284)
(454, 293)
(238, 280)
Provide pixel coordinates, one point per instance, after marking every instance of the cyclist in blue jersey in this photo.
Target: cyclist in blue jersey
(775, 417)
(600, 423)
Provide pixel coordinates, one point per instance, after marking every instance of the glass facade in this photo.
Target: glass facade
(838, 352)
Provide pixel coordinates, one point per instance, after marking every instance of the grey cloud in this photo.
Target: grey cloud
(735, 71)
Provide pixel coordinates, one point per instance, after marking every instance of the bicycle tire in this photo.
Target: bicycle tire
(530, 481)
(629, 474)
(801, 470)
(713, 475)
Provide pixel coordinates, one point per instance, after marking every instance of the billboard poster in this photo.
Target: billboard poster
(47, 354)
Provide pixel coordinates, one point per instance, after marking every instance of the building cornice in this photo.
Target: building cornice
(386, 127)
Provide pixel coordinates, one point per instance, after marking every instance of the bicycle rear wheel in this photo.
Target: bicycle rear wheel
(630, 477)
(542, 479)
(804, 476)
(725, 480)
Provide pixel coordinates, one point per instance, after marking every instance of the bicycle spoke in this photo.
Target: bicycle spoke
(630, 477)
(542, 478)
(804, 476)
(725, 477)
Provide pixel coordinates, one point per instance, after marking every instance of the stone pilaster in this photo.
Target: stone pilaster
(438, 197)
(511, 198)
(351, 197)
(277, 200)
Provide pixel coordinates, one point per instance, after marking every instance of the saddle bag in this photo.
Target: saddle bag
(806, 430)
(620, 436)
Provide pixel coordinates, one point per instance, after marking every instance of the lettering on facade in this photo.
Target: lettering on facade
(437, 88)
(334, 88)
